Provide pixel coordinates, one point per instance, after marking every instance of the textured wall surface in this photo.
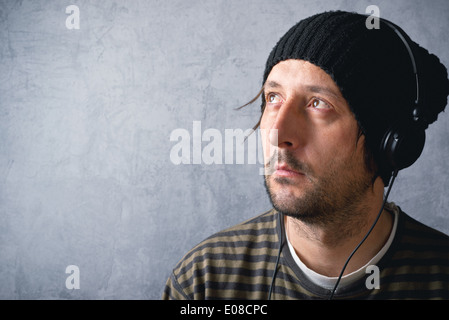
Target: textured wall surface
(86, 116)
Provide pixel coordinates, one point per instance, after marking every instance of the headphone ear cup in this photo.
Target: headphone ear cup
(402, 146)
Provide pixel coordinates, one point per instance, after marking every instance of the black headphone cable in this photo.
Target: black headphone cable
(393, 177)
(278, 256)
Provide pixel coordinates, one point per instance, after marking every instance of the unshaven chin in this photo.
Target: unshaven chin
(335, 200)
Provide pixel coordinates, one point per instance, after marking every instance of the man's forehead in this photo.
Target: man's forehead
(300, 70)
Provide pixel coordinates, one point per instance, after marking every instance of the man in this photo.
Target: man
(338, 108)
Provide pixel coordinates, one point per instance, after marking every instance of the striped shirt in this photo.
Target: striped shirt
(238, 263)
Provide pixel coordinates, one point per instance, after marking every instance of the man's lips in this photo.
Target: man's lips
(285, 171)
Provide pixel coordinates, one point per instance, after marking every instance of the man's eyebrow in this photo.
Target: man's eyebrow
(311, 88)
(272, 84)
(324, 90)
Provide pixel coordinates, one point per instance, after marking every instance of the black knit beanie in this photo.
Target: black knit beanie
(371, 67)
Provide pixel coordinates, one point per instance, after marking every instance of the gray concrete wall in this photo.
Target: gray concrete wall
(86, 116)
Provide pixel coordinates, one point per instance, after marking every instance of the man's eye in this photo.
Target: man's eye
(319, 104)
(273, 98)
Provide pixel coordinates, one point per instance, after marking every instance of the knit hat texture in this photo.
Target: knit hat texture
(371, 67)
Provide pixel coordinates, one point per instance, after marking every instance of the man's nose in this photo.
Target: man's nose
(288, 126)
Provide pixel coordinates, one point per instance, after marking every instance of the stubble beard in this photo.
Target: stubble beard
(332, 200)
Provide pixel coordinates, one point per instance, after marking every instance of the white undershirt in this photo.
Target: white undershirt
(329, 282)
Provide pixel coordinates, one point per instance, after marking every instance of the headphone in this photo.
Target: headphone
(404, 141)
(401, 146)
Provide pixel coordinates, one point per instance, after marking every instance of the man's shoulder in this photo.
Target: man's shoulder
(256, 229)
(240, 250)
(234, 243)
(419, 243)
(259, 225)
(416, 230)
(417, 264)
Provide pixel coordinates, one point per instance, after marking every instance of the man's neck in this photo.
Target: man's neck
(325, 248)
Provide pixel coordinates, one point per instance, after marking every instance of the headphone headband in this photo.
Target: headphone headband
(403, 143)
(416, 113)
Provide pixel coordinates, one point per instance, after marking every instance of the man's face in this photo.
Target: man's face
(318, 161)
